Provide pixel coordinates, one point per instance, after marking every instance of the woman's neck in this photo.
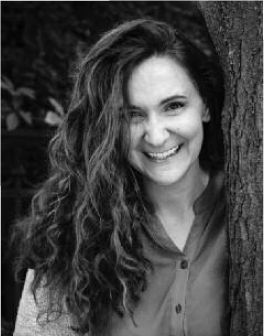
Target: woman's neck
(177, 199)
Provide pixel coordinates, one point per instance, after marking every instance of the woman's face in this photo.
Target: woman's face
(167, 115)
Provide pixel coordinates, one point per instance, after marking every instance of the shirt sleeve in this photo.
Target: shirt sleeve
(26, 322)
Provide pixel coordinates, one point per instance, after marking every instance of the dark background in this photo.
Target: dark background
(41, 43)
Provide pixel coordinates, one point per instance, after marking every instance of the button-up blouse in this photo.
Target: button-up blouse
(187, 291)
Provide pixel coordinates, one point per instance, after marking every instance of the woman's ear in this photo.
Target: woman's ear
(206, 115)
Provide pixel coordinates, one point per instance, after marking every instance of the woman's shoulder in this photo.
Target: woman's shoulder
(27, 323)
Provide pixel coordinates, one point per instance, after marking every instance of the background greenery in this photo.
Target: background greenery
(42, 40)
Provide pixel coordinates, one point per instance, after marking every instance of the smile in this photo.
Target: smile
(164, 155)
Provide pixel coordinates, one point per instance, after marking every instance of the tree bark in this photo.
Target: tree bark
(236, 30)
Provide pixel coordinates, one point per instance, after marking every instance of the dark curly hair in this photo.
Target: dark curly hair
(84, 234)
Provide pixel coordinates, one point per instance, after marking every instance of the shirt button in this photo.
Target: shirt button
(178, 308)
(184, 264)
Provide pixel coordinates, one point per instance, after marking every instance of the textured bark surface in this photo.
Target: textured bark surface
(236, 30)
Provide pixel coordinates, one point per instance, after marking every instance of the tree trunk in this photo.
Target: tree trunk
(236, 30)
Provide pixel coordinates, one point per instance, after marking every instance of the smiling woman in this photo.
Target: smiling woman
(127, 236)
(167, 138)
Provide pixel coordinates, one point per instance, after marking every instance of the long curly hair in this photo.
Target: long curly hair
(84, 233)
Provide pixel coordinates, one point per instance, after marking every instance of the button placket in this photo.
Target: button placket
(181, 279)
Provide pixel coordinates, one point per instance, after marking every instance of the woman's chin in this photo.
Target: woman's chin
(163, 180)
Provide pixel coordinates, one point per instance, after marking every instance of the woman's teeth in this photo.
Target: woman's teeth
(165, 155)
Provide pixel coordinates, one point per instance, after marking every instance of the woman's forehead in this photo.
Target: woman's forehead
(158, 78)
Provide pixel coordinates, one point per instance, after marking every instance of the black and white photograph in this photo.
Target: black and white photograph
(132, 168)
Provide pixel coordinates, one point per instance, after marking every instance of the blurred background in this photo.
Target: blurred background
(41, 43)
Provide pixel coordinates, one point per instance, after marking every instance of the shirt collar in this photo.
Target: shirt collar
(202, 206)
(208, 197)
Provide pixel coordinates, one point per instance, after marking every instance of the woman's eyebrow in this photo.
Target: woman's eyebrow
(163, 102)
(133, 107)
(172, 98)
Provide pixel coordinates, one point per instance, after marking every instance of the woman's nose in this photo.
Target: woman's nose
(155, 132)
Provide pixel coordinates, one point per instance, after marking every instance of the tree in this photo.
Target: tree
(236, 30)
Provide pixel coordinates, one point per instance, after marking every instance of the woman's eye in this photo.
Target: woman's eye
(136, 116)
(174, 106)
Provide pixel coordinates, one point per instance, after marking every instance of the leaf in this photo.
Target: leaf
(7, 85)
(12, 121)
(53, 119)
(7, 81)
(57, 106)
(26, 116)
(26, 92)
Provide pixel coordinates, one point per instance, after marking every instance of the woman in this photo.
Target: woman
(127, 236)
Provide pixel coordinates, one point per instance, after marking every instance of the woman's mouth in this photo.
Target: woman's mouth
(162, 156)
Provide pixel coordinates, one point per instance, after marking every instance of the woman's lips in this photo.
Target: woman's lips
(162, 156)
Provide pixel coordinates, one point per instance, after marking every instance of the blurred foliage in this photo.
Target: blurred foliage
(41, 41)
(12, 105)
